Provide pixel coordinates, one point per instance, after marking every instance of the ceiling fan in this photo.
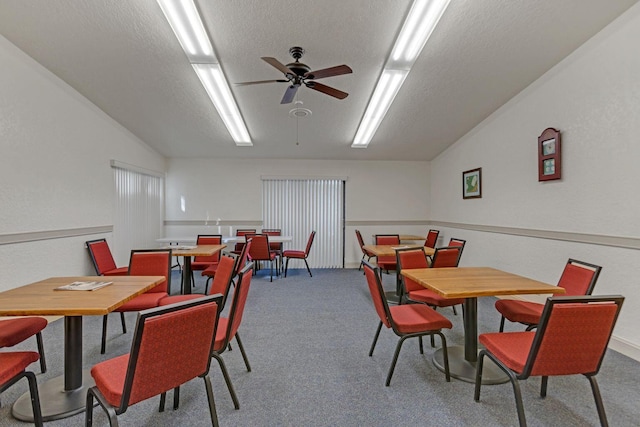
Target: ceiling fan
(298, 74)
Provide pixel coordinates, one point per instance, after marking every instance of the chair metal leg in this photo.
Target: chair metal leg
(395, 359)
(502, 324)
(163, 398)
(598, 398)
(176, 398)
(375, 339)
(286, 267)
(212, 404)
(124, 323)
(421, 346)
(445, 355)
(35, 398)
(111, 412)
(543, 386)
(455, 313)
(308, 269)
(225, 374)
(43, 362)
(244, 355)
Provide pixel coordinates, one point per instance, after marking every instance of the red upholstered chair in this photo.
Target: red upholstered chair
(571, 338)
(167, 351)
(387, 262)
(103, 260)
(241, 233)
(143, 262)
(299, 254)
(14, 331)
(200, 263)
(408, 258)
(261, 251)
(221, 283)
(432, 238)
(578, 278)
(365, 253)
(228, 327)
(13, 365)
(406, 321)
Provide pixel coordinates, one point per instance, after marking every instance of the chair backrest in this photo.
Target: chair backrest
(273, 232)
(377, 293)
(152, 262)
(222, 279)
(240, 245)
(457, 242)
(408, 258)
(432, 238)
(360, 240)
(238, 302)
(572, 335)
(260, 249)
(101, 256)
(309, 243)
(208, 239)
(448, 256)
(242, 258)
(387, 239)
(579, 278)
(167, 349)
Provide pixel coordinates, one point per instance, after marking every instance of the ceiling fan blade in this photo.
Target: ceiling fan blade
(327, 89)
(289, 94)
(277, 64)
(260, 82)
(328, 72)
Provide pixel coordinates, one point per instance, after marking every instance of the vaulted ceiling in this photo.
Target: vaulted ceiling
(124, 57)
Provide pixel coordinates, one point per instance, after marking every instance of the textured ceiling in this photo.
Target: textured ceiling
(123, 56)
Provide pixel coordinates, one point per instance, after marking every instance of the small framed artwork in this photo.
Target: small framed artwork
(472, 184)
(549, 160)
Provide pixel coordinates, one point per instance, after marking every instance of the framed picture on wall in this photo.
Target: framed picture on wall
(549, 155)
(472, 184)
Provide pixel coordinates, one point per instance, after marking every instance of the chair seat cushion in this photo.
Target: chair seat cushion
(121, 271)
(512, 348)
(14, 362)
(143, 301)
(411, 318)
(520, 311)
(211, 270)
(429, 297)
(202, 265)
(109, 377)
(294, 254)
(14, 331)
(172, 299)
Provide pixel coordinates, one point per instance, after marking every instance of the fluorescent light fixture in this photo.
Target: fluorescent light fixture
(422, 19)
(188, 28)
(418, 26)
(216, 85)
(185, 21)
(388, 86)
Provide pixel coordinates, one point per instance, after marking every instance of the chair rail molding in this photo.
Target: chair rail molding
(33, 236)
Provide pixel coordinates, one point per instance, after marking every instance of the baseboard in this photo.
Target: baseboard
(625, 347)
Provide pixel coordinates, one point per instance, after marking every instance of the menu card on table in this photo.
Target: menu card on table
(83, 286)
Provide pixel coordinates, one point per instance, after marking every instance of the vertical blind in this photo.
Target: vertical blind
(138, 212)
(299, 207)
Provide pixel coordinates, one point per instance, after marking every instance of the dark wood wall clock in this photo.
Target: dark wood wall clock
(549, 155)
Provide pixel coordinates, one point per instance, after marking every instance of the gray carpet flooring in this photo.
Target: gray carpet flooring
(308, 339)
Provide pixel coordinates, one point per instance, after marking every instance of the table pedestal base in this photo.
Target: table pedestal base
(55, 402)
(464, 370)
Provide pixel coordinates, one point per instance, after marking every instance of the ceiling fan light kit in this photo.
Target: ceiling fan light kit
(185, 21)
(420, 22)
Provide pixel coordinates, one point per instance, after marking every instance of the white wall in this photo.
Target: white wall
(380, 196)
(593, 98)
(55, 169)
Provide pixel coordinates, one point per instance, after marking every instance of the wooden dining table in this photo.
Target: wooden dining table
(390, 250)
(65, 395)
(190, 251)
(470, 283)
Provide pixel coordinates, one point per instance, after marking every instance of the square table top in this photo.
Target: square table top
(469, 282)
(40, 298)
(390, 250)
(199, 250)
